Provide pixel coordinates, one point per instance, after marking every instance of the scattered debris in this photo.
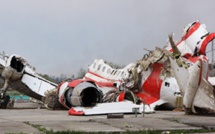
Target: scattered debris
(174, 76)
(111, 116)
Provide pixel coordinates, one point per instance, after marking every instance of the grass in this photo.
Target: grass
(13, 92)
(43, 130)
(40, 128)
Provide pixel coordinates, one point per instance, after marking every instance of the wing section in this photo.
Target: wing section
(37, 84)
(111, 108)
(32, 85)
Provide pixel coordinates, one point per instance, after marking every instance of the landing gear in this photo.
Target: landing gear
(4, 99)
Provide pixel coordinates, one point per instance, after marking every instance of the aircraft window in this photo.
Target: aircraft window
(112, 72)
(177, 93)
(167, 84)
(99, 67)
(94, 65)
(115, 72)
(103, 69)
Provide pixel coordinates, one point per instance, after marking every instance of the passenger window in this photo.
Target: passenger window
(115, 72)
(103, 69)
(112, 72)
(167, 84)
(99, 67)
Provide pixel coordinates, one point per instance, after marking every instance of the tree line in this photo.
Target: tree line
(63, 77)
(80, 74)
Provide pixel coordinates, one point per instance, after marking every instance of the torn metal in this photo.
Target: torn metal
(19, 75)
(140, 82)
(172, 77)
(191, 69)
(166, 76)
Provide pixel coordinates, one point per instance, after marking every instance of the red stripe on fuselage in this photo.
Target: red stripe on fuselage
(208, 38)
(74, 83)
(102, 77)
(152, 86)
(101, 84)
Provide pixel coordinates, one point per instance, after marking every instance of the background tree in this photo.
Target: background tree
(114, 65)
(81, 73)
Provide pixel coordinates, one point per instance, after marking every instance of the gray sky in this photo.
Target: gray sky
(62, 36)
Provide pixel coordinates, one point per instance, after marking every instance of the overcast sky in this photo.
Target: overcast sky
(62, 36)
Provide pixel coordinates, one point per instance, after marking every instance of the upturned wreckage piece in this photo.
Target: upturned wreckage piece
(191, 70)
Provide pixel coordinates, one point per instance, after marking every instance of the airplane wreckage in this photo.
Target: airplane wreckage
(175, 76)
(19, 75)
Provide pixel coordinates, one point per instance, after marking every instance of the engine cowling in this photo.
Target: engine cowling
(79, 93)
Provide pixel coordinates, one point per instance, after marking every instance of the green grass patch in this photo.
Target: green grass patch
(40, 128)
(43, 130)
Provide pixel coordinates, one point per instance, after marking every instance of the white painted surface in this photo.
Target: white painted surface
(114, 107)
(211, 80)
(37, 84)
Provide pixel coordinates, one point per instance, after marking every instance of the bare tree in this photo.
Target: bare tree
(81, 73)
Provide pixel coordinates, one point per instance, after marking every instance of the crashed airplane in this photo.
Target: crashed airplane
(144, 83)
(163, 77)
(169, 77)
